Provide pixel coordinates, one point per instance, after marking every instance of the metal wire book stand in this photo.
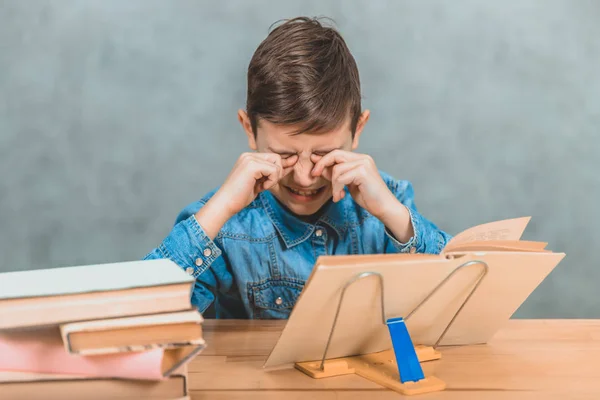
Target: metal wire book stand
(399, 368)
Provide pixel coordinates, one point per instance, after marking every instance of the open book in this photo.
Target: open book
(500, 235)
(487, 268)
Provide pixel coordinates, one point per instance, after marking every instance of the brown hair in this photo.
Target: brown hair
(303, 74)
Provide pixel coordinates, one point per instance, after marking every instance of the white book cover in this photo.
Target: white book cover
(91, 278)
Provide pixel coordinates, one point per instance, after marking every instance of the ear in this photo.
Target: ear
(247, 126)
(362, 121)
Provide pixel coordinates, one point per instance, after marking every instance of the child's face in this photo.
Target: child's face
(300, 191)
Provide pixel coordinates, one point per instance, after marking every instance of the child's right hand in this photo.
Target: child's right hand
(252, 174)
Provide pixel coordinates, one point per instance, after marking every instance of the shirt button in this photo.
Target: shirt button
(413, 250)
(189, 270)
(198, 262)
(207, 252)
(279, 301)
(319, 233)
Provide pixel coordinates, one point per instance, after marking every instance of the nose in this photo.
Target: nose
(302, 172)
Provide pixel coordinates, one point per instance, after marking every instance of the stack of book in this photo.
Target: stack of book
(123, 330)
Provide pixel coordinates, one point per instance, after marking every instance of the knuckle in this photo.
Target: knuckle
(245, 159)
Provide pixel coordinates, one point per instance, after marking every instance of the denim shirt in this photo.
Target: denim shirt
(260, 260)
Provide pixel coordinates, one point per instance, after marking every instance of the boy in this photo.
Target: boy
(301, 193)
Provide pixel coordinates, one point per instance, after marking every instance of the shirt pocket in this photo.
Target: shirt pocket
(274, 298)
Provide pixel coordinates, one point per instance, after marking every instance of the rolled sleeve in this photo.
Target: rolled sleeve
(412, 245)
(189, 247)
(427, 237)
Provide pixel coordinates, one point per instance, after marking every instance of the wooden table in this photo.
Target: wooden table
(529, 359)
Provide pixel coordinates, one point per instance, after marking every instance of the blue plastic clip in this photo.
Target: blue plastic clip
(409, 367)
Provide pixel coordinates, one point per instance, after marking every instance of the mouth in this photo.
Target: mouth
(305, 195)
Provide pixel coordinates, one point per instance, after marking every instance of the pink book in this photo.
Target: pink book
(42, 351)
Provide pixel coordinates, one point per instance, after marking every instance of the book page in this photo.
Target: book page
(499, 245)
(173, 318)
(20, 376)
(508, 229)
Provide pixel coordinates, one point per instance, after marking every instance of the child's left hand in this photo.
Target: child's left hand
(360, 174)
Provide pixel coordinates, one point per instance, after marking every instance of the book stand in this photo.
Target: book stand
(399, 368)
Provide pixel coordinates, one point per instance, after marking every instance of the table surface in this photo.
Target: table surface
(528, 359)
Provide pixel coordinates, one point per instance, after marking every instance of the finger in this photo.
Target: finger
(270, 157)
(315, 158)
(340, 195)
(267, 157)
(289, 161)
(288, 165)
(337, 171)
(265, 173)
(326, 173)
(326, 161)
(274, 178)
(351, 177)
(329, 159)
(258, 164)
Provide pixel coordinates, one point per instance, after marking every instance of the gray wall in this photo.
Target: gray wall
(115, 114)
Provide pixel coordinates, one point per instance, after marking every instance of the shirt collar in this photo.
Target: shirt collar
(292, 229)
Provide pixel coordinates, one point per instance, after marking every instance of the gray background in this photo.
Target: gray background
(116, 114)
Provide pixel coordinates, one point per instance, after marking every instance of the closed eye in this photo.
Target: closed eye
(282, 154)
(324, 152)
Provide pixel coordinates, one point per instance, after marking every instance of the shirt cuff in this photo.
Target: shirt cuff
(189, 247)
(412, 245)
